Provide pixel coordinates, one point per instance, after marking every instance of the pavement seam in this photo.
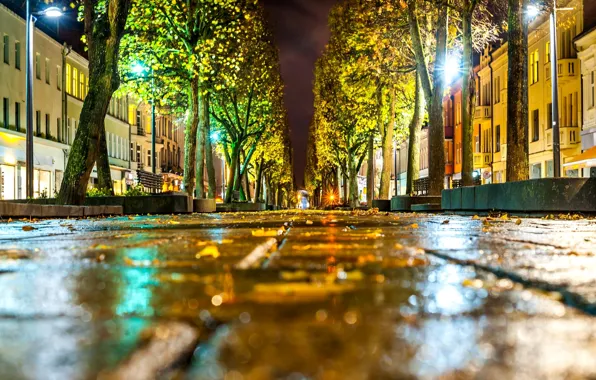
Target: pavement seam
(271, 245)
(569, 298)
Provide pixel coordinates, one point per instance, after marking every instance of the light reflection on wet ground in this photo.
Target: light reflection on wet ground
(346, 296)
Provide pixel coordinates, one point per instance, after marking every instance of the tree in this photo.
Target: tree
(517, 93)
(105, 23)
(433, 92)
(188, 46)
(248, 109)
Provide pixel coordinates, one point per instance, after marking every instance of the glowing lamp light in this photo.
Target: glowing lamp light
(138, 68)
(475, 174)
(53, 12)
(451, 69)
(532, 11)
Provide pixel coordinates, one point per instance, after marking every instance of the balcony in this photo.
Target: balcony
(482, 112)
(569, 137)
(481, 160)
(567, 68)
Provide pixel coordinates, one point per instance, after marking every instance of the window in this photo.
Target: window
(547, 52)
(477, 140)
(58, 128)
(535, 126)
(68, 89)
(138, 154)
(592, 89)
(82, 86)
(47, 71)
(48, 128)
(75, 78)
(534, 59)
(549, 116)
(58, 78)
(67, 134)
(6, 50)
(498, 138)
(17, 115)
(37, 66)
(148, 157)
(38, 122)
(497, 90)
(17, 55)
(5, 112)
(550, 172)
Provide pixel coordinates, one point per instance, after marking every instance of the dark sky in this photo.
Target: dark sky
(301, 32)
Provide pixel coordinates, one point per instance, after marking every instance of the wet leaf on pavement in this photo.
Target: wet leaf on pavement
(29, 228)
(209, 251)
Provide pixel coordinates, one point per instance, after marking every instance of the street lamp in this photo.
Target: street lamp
(451, 68)
(53, 12)
(533, 11)
(139, 69)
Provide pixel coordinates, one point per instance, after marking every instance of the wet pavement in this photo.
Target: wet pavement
(295, 295)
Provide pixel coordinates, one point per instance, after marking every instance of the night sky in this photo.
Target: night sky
(301, 32)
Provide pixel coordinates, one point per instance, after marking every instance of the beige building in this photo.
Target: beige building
(570, 24)
(60, 74)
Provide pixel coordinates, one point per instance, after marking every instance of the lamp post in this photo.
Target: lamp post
(30, 25)
(533, 11)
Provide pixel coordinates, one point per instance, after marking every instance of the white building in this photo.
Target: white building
(60, 84)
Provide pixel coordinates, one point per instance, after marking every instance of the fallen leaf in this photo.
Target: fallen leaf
(173, 222)
(263, 233)
(446, 221)
(518, 221)
(9, 220)
(473, 283)
(414, 225)
(309, 222)
(475, 217)
(29, 228)
(209, 251)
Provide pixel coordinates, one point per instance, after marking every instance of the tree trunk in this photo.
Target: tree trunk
(346, 192)
(232, 174)
(280, 195)
(436, 132)
(387, 147)
(517, 93)
(413, 172)
(467, 104)
(104, 175)
(103, 33)
(201, 141)
(259, 183)
(212, 189)
(370, 171)
(418, 46)
(190, 137)
(353, 179)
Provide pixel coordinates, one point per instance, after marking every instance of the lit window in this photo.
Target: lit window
(68, 88)
(75, 76)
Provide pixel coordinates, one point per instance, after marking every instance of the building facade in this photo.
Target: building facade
(60, 85)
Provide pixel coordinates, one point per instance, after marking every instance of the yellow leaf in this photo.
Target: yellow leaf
(414, 225)
(263, 233)
(29, 228)
(209, 251)
(475, 217)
